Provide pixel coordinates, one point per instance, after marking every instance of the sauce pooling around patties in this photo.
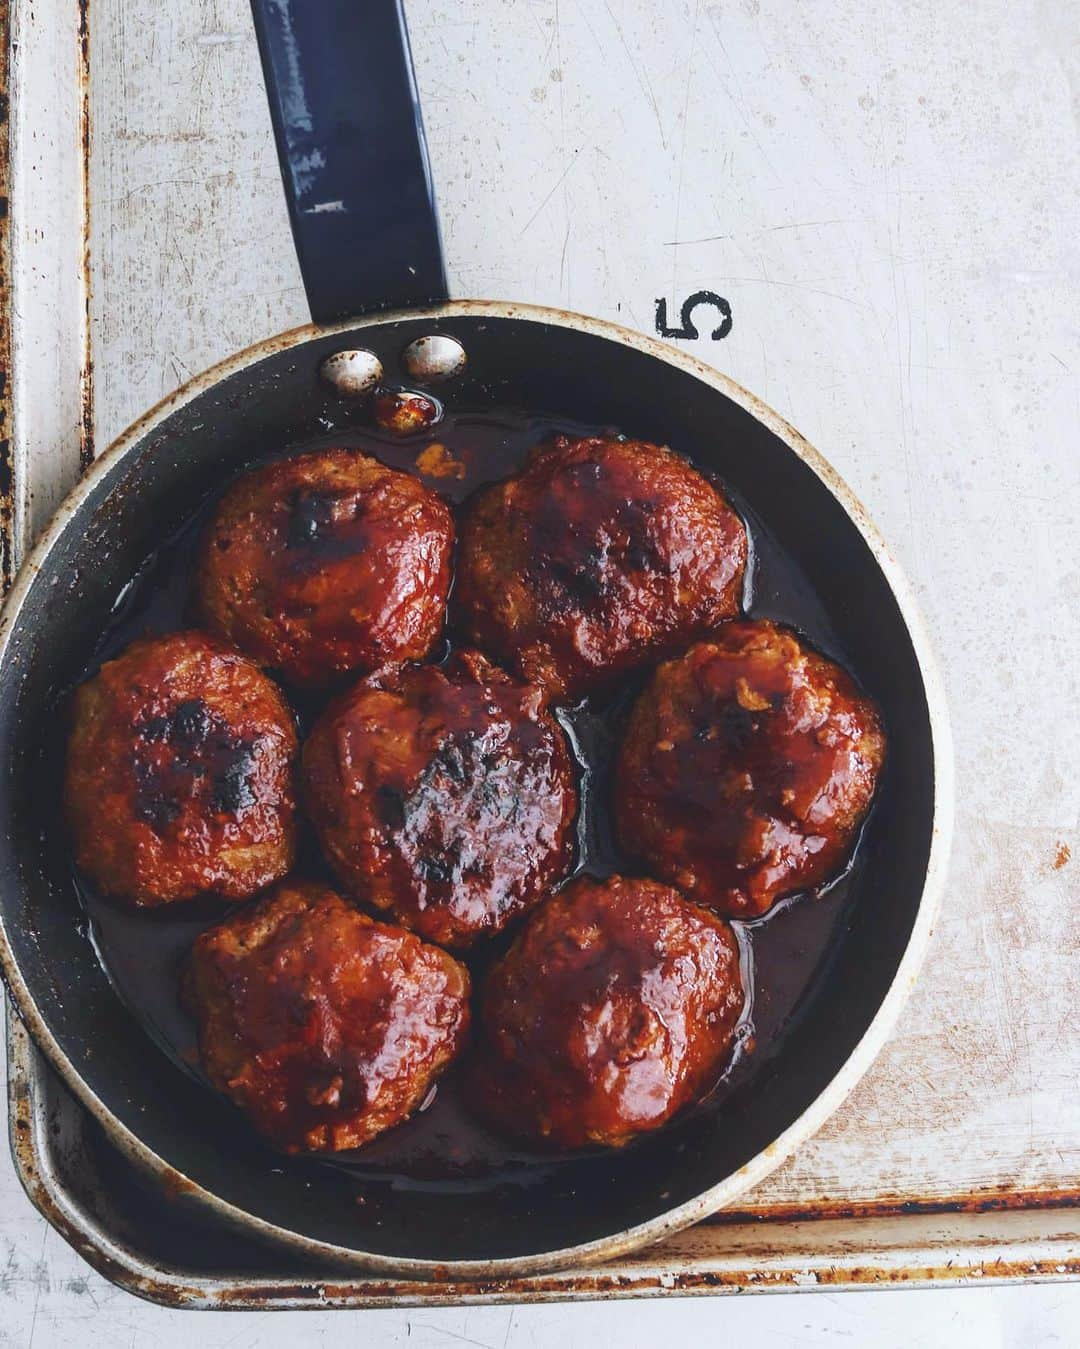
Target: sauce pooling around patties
(746, 769)
(599, 556)
(180, 773)
(323, 1026)
(325, 564)
(446, 1147)
(615, 1007)
(443, 795)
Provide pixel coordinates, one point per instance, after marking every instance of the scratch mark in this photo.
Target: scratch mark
(805, 224)
(642, 78)
(564, 290)
(41, 1284)
(558, 183)
(685, 243)
(734, 95)
(442, 1330)
(682, 141)
(794, 285)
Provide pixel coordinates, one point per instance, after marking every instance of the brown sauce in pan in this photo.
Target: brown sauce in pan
(443, 1146)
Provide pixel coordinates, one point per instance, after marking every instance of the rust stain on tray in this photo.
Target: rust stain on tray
(607, 1286)
(8, 485)
(86, 381)
(1000, 1200)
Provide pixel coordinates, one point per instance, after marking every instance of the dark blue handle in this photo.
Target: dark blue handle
(354, 162)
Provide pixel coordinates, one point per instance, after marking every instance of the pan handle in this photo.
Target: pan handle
(346, 114)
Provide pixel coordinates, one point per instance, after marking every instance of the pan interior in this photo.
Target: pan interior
(147, 493)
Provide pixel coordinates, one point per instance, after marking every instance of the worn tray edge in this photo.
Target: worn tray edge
(913, 1250)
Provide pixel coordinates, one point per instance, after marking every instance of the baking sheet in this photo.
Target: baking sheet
(150, 1242)
(840, 210)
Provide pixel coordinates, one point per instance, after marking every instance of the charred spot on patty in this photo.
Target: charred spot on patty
(443, 795)
(599, 556)
(233, 770)
(311, 514)
(179, 776)
(175, 754)
(778, 759)
(336, 565)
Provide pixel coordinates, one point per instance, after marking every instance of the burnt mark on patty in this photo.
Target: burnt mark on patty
(231, 785)
(391, 805)
(642, 551)
(325, 527)
(311, 517)
(583, 562)
(452, 807)
(153, 805)
(192, 722)
(584, 581)
(188, 754)
(500, 794)
(441, 864)
(464, 768)
(455, 759)
(735, 726)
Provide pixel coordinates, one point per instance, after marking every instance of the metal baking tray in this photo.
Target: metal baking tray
(150, 1242)
(142, 180)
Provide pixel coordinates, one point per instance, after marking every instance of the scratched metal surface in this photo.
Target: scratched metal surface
(884, 194)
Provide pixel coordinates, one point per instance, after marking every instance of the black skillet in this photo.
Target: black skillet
(362, 210)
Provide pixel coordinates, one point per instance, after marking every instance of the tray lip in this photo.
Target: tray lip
(997, 1261)
(876, 1033)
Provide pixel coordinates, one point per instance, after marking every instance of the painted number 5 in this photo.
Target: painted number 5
(688, 329)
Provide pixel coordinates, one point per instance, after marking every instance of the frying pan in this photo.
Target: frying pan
(361, 204)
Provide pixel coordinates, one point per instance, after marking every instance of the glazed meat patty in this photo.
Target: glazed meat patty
(327, 564)
(616, 1005)
(443, 795)
(600, 555)
(747, 768)
(325, 1027)
(180, 773)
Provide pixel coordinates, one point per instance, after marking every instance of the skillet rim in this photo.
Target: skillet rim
(873, 1038)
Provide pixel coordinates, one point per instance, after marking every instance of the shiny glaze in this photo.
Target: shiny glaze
(179, 776)
(747, 768)
(615, 1006)
(445, 1148)
(444, 795)
(598, 557)
(326, 564)
(325, 1027)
